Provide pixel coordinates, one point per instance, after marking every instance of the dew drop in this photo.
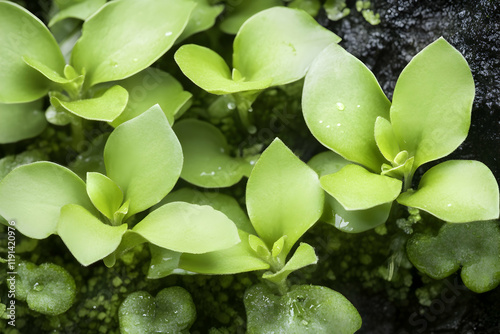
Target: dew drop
(338, 124)
(358, 106)
(340, 106)
(231, 106)
(168, 33)
(320, 122)
(328, 126)
(38, 287)
(135, 59)
(449, 204)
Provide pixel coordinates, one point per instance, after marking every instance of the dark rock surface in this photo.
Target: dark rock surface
(473, 27)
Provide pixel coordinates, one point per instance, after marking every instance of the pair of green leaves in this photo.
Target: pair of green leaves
(347, 111)
(273, 47)
(280, 212)
(143, 160)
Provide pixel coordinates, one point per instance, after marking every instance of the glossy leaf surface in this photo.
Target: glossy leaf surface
(456, 191)
(188, 228)
(202, 18)
(78, 10)
(34, 194)
(386, 139)
(341, 101)
(21, 121)
(432, 103)
(163, 262)
(24, 35)
(126, 36)
(106, 196)
(143, 156)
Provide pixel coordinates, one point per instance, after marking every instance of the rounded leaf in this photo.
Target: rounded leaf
(188, 228)
(23, 34)
(78, 10)
(21, 121)
(288, 39)
(432, 103)
(144, 157)
(456, 191)
(126, 36)
(202, 18)
(243, 11)
(106, 196)
(341, 101)
(207, 162)
(283, 196)
(34, 194)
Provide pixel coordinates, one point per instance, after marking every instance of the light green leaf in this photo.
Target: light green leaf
(129, 240)
(432, 103)
(8, 163)
(237, 259)
(474, 246)
(357, 189)
(163, 262)
(188, 228)
(46, 71)
(24, 35)
(457, 192)
(79, 10)
(34, 194)
(104, 194)
(243, 11)
(144, 157)
(21, 121)
(172, 311)
(283, 196)
(304, 309)
(207, 160)
(327, 162)
(386, 139)
(311, 7)
(336, 9)
(126, 36)
(149, 87)
(341, 101)
(289, 39)
(103, 108)
(260, 247)
(303, 256)
(220, 202)
(202, 18)
(210, 72)
(87, 238)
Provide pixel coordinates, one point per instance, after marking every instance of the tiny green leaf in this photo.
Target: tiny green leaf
(46, 71)
(303, 256)
(237, 259)
(357, 189)
(474, 246)
(34, 194)
(289, 39)
(210, 72)
(48, 289)
(24, 35)
(149, 87)
(283, 196)
(278, 246)
(432, 103)
(202, 18)
(143, 156)
(21, 121)
(172, 311)
(77, 10)
(304, 309)
(188, 228)
(104, 194)
(103, 108)
(243, 11)
(259, 246)
(126, 36)
(341, 101)
(207, 162)
(386, 139)
(87, 238)
(456, 191)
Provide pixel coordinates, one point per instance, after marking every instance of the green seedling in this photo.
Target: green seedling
(429, 118)
(45, 198)
(289, 39)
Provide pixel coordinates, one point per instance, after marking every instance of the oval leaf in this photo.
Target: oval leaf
(303, 256)
(289, 39)
(357, 189)
(209, 71)
(202, 18)
(106, 196)
(283, 196)
(77, 10)
(457, 192)
(341, 101)
(21, 121)
(24, 35)
(87, 238)
(207, 162)
(188, 228)
(103, 108)
(144, 157)
(432, 103)
(243, 11)
(126, 36)
(386, 139)
(34, 194)
(149, 87)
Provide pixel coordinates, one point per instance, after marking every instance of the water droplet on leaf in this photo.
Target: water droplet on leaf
(340, 106)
